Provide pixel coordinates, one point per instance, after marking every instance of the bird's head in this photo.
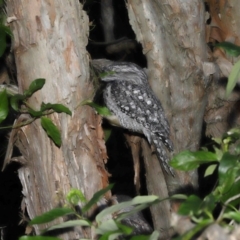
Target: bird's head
(120, 71)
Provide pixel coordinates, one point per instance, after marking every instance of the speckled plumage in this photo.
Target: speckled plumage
(129, 97)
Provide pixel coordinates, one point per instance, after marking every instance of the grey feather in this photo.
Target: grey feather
(129, 97)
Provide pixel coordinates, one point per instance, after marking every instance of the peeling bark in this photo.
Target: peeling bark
(50, 38)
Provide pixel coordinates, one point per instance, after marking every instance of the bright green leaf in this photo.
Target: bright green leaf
(34, 113)
(154, 236)
(103, 111)
(237, 149)
(200, 226)
(59, 108)
(188, 160)
(38, 238)
(144, 199)
(232, 216)
(230, 48)
(233, 78)
(106, 226)
(141, 237)
(16, 100)
(71, 223)
(125, 229)
(115, 208)
(110, 235)
(191, 206)
(217, 140)
(137, 204)
(210, 170)
(75, 196)
(36, 85)
(51, 130)
(218, 152)
(232, 192)
(134, 210)
(233, 133)
(51, 215)
(208, 203)
(179, 197)
(3, 105)
(227, 162)
(96, 197)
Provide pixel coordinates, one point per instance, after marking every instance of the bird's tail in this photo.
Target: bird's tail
(162, 154)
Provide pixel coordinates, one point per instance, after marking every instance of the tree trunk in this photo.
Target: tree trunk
(50, 38)
(173, 40)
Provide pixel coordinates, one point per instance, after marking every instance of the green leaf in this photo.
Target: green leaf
(134, 210)
(59, 108)
(217, 140)
(75, 196)
(208, 203)
(51, 130)
(230, 48)
(3, 105)
(124, 229)
(210, 170)
(103, 111)
(237, 149)
(227, 162)
(38, 238)
(110, 235)
(16, 100)
(51, 215)
(34, 113)
(233, 78)
(96, 197)
(68, 224)
(154, 236)
(233, 133)
(141, 237)
(200, 226)
(233, 191)
(179, 197)
(232, 216)
(115, 208)
(36, 85)
(106, 226)
(187, 160)
(191, 206)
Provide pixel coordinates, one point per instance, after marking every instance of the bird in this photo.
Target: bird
(134, 106)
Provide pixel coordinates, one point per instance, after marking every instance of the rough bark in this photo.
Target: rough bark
(222, 113)
(173, 40)
(50, 37)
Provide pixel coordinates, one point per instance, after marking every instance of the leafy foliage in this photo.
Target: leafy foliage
(19, 103)
(230, 48)
(104, 225)
(234, 76)
(225, 195)
(3, 105)
(102, 110)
